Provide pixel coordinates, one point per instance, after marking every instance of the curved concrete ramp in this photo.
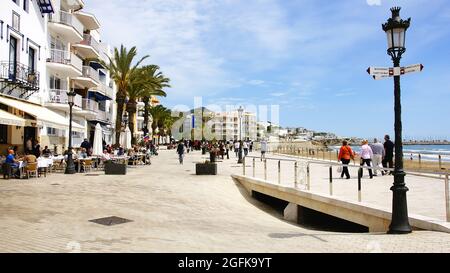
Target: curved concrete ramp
(377, 219)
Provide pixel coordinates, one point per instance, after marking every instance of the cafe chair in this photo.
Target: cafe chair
(31, 168)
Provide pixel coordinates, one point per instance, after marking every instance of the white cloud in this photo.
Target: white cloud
(277, 94)
(374, 2)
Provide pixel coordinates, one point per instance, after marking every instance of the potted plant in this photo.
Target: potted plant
(207, 168)
(115, 168)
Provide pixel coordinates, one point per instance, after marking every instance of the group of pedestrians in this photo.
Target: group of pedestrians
(374, 153)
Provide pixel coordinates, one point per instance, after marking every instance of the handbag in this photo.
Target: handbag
(339, 169)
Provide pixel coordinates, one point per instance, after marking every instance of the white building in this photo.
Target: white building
(225, 126)
(45, 48)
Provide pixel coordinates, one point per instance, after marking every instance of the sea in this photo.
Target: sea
(427, 152)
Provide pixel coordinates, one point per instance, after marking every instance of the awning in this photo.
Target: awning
(43, 115)
(10, 119)
(98, 96)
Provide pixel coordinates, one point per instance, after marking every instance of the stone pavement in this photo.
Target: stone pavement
(172, 210)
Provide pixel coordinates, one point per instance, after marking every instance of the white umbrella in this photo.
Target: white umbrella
(97, 147)
(126, 138)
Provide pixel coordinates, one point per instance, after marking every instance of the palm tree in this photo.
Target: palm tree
(121, 70)
(157, 81)
(142, 84)
(159, 114)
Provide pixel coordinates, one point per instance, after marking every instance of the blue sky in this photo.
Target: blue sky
(308, 56)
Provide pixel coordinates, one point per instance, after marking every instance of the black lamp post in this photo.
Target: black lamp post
(240, 111)
(70, 167)
(395, 29)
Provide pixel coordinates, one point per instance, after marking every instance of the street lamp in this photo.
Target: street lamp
(240, 112)
(125, 119)
(395, 29)
(70, 167)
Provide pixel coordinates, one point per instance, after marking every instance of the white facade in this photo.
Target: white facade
(58, 46)
(225, 126)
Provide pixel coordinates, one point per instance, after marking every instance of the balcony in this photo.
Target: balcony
(88, 20)
(89, 48)
(58, 100)
(102, 116)
(67, 26)
(17, 75)
(89, 78)
(65, 62)
(104, 90)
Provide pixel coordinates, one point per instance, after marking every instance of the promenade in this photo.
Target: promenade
(172, 210)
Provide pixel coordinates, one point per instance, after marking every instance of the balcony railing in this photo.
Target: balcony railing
(90, 72)
(25, 76)
(66, 18)
(60, 96)
(90, 41)
(90, 105)
(65, 57)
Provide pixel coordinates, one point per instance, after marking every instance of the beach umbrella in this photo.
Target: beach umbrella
(126, 138)
(97, 147)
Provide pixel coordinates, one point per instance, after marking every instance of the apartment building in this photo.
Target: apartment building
(46, 49)
(139, 123)
(225, 126)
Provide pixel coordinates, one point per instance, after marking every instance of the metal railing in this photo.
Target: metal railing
(90, 72)
(307, 164)
(68, 19)
(27, 77)
(60, 96)
(65, 57)
(90, 41)
(90, 105)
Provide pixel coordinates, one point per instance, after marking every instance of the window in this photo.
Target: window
(16, 21)
(51, 131)
(25, 5)
(3, 134)
(16, 1)
(32, 59)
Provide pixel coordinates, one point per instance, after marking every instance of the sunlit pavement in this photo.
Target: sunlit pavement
(171, 210)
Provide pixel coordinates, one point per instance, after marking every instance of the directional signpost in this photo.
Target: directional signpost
(379, 73)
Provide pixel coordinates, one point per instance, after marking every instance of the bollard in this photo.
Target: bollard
(279, 171)
(308, 177)
(243, 165)
(331, 180)
(253, 167)
(447, 198)
(359, 184)
(265, 169)
(295, 171)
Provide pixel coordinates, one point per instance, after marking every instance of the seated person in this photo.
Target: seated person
(29, 157)
(120, 152)
(46, 152)
(106, 156)
(12, 161)
(83, 153)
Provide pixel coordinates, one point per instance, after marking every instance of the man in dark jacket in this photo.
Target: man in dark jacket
(389, 154)
(85, 144)
(180, 151)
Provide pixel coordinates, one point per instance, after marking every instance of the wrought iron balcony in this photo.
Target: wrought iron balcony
(60, 96)
(19, 75)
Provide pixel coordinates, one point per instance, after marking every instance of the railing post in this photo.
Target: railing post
(447, 198)
(265, 169)
(279, 171)
(331, 180)
(243, 165)
(359, 184)
(253, 167)
(308, 177)
(440, 162)
(295, 170)
(420, 161)
(323, 154)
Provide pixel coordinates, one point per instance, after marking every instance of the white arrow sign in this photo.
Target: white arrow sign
(379, 73)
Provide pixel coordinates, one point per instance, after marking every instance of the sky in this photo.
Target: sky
(307, 56)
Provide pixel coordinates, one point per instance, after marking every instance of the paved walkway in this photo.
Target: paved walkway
(172, 210)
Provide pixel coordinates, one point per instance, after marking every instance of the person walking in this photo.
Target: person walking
(378, 153)
(180, 151)
(236, 148)
(263, 149)
(388, 154)
(245, 147)
(366, 155)
(345, 155)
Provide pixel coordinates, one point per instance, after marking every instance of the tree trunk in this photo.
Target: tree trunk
(120, 99)
(146, 113)
(131, 109)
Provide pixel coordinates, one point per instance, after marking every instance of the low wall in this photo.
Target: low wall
(377, 219)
